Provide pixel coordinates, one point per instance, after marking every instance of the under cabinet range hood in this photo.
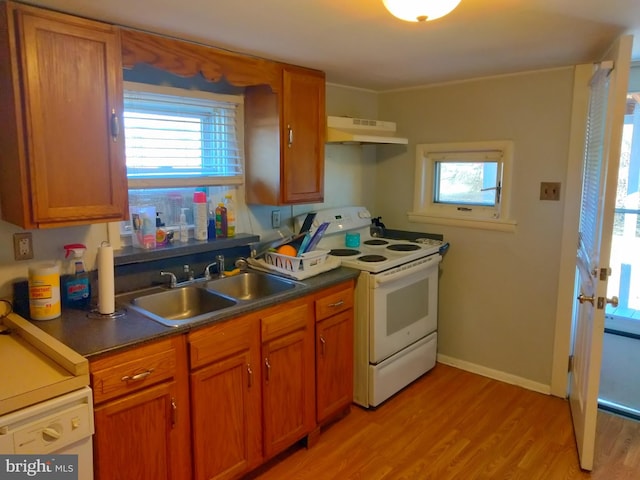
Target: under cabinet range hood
(361, 131)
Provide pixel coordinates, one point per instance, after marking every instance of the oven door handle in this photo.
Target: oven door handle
(430, 262)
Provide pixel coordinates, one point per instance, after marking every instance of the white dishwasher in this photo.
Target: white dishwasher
(62, 425)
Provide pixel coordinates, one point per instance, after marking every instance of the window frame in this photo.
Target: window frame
(427, 210)
(195, 180)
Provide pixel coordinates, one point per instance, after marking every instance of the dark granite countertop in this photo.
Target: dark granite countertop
(92, 335)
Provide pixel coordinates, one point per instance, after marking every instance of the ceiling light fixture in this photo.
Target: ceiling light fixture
(420, 10)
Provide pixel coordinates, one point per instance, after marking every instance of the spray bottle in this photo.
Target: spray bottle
(76, 289)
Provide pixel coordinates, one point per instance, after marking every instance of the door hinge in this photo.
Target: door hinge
(570, 364)
(604, 273)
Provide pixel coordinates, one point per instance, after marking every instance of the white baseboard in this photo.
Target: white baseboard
(495, 374)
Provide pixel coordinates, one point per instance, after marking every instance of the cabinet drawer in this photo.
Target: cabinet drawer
(334, 300)
(132, 370)
(286, 319)
(221, 340)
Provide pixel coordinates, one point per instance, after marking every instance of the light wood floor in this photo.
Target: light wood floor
(452, 424)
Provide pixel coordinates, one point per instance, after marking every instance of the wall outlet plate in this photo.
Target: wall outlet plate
(22, 246)
(275, 219)
(550, 191)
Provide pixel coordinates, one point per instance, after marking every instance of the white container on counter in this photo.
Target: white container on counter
(44, 291)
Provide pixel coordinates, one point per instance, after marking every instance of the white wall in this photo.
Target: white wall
(498, 290)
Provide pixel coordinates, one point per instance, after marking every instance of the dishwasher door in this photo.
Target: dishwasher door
(60, 426)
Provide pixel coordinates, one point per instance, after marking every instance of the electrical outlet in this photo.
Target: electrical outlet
(22, 246)
(275, 219)
(550, 191)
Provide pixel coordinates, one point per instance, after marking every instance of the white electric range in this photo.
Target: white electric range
(396, 302)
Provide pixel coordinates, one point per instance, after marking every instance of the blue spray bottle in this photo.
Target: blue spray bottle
(76, 289)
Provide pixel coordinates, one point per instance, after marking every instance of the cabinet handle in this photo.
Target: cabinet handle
(115, 125)
(290, 133)
(250, 376)
(174, 412)
(323, 345)
(268, 372)
(339, 303)
(137, 377)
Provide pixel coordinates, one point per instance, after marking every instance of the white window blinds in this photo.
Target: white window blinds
(179, 137)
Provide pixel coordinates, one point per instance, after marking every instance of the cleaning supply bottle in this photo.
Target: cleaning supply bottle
(200, 215)
(76, 288)
(184, 228)
(221, 221)
(231, 215)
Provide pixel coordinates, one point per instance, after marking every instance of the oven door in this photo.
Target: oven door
(404, 306)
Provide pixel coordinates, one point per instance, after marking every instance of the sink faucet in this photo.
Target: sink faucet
(173, 280)
(219, 263)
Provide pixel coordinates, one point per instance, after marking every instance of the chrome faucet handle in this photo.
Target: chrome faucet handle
(220, 263)
(173, 280)
(186, 269)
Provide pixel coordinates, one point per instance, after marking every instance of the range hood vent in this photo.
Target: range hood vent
(362, 131)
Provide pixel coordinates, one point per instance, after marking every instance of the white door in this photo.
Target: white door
(601, 159)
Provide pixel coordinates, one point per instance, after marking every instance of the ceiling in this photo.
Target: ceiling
(358, 43)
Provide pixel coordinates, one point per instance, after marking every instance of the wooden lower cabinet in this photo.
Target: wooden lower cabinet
(134, 435)
(221, 400)
(142, 413)
(288, 375)
(226, 399)
(334, 352)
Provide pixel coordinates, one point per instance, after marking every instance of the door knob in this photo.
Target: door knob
(582, 298)
(613, 301)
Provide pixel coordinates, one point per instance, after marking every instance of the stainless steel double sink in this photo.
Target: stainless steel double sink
(204, 299)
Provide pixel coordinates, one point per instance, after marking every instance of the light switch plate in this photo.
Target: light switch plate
(22, 246)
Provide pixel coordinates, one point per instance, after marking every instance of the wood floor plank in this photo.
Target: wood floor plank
(452, 425)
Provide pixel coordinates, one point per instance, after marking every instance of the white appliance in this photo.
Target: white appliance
(61, 425)
(396, 302)
(362, 131)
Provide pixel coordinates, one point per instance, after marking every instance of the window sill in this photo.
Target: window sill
(130, 255)
(508, 226)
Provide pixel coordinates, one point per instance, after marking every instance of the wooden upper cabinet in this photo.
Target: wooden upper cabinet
(284, 139)
(61, 147)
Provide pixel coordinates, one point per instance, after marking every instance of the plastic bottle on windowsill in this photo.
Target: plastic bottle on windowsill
(200, 215)
(184, 228)
(221, 221)
(231, 215)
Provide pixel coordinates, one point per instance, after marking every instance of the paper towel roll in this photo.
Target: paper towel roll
(106, 284)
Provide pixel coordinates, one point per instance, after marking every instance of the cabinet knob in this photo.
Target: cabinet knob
(268, 371)
(290, 134)
(115, 125)
(174, 412)
(323, 345)
(137, 377)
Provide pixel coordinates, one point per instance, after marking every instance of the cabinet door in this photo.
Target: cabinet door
(71, 78)
(304, 131)
(136, 435)
(226, 404)
(288, 377)
(334, 364)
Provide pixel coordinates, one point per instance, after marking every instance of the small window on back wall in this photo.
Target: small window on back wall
(464, 184)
